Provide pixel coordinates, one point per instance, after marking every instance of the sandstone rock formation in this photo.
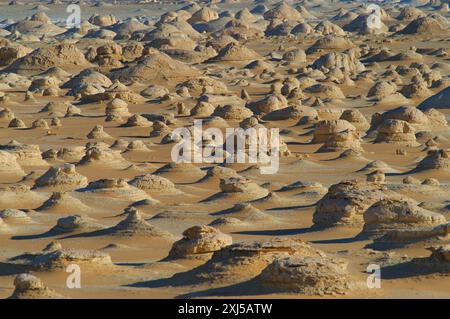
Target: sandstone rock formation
(394, 215)
(199, 242)
(62, 179)
(28, 286)
(346, 202)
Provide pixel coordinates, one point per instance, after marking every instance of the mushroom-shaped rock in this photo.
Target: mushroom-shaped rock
(117, 107)
(199, 242)
(327, 128)
(396, 132)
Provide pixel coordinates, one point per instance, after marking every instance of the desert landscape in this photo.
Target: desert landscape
(94, 95)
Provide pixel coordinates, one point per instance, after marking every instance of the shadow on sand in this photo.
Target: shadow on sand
(409, 269)
(50, 233)
(8, 269)
(245, 288)
(280, 232)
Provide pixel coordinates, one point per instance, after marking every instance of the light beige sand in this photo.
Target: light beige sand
(173, 198)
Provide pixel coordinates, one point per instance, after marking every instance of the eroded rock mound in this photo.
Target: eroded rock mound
(63, 179)
(307, 275)
(246, 213)
(241, 188)
(65, 56)
(435, 159)
(74, 223)
(53, 257)
(28, 286)
(26, 154)
(409, 236)
(135, 225)
(396, 132)
(243, 261)
(199, 242)
(356, 118)
(14, 214)
(232, 112)
(429, 120)
(428, 25)
(153, 183)
(9, 165)
(347, 62)
(283, 11)
(234, 52)
(337, 135)
(115, 188)
(388, 214)
(104, 157)
(18, 196)
(60, 259)
(117, 108)
(346, 202)
(182, 168)
(63, 202)
(155, 66)
(330, 43)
